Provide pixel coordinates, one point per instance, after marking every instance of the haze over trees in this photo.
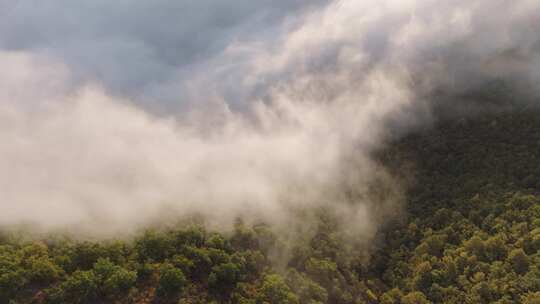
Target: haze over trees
(471, 235)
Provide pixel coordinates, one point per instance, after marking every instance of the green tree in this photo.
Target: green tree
(79, 288)
(415, 297)
(519, 261)
(224, 276)
(43, 270)
(120, 281)
(531, 298)
(274, 290)
(171, 280)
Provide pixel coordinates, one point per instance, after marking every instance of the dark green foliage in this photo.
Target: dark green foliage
(43, 270)
(114, 279)
(80, 287)
(171, 280)
(224, 276)
(519, 261)
(12, 275)
(415, 297)
(153, 246)
(274, 290)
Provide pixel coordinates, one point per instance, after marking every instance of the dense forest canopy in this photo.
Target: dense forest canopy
(471, 234)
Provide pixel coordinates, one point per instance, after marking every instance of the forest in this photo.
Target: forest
(470, 234)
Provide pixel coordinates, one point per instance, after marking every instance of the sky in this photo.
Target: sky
(136, 48)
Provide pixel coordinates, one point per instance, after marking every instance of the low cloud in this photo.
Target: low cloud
(270, 113)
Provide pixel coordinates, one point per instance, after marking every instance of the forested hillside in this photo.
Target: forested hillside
(471, 234)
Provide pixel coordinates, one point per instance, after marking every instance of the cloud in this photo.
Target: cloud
(114, 116)
(84, 160)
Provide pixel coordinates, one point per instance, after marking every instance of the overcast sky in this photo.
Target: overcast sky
(132, 47)
(153, 51)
